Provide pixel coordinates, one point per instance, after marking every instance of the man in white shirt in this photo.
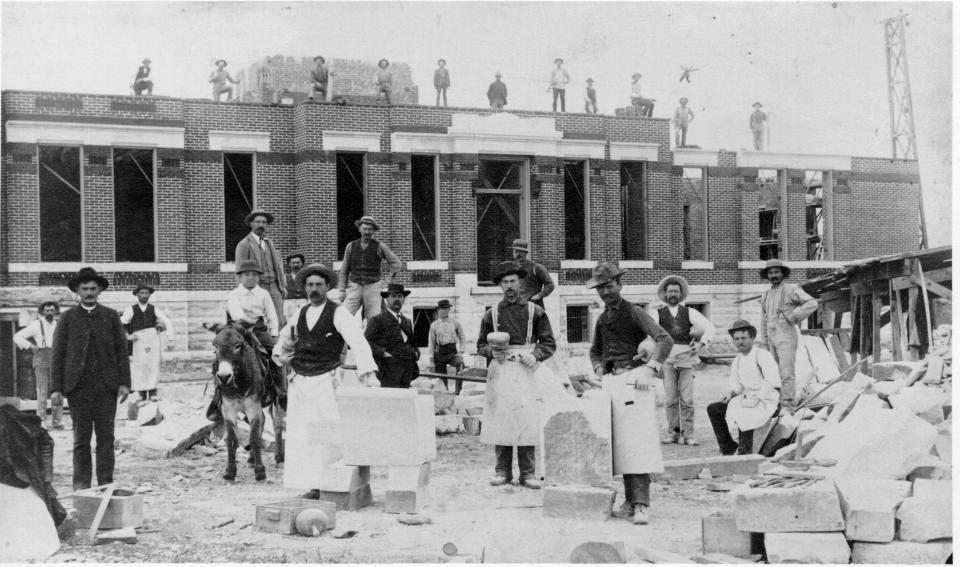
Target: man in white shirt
(311, 343)
(559, 78)
(753, 396)
(690, 330)
(252, 305)
(41, 332)
(643, 105)
(143, 324)
(445, 341)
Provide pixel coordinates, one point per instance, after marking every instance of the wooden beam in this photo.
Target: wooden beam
(913, 340)
(940, 275)
(824, 332)
(933, 286)
(839, 353)
(896, 327)
(875, 320)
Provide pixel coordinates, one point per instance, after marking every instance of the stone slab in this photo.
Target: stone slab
(149, 414)
(934, 373)
(926, 488)
(123, 535)
(578, 502)
(896, 370)
(925, 519)
(577, 442)
(28, 534)
(931, 467)
(172, 437)
(350, 501)
(124, 510)
(901, 553)
(719, 534)
(344, 478)
(719, 559)
(648, 554)
(869, 506)
(724, 465)
(886, 389)
(925, 401)
(407, 489)
(813, 508)
(828, 547)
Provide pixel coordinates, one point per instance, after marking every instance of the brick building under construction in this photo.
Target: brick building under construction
(155, 189)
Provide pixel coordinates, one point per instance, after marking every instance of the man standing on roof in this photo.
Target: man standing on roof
(559, 78)
(361, 268)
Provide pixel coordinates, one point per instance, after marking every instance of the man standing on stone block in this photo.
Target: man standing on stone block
(361, 268)
(537, 284)
(784, 307)
(690, 330)
(619, 370)
(143, 324)
(257, 247)
(515, 336)
(391, 339)
(753, 396)
(311, 343)
(41, 333)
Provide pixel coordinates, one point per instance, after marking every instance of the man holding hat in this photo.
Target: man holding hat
(758, 119)
(383, 80)
(390, 335)
(682, 117)
(515, 336)
(143, 82)
(690, 330)
(361, 267)
(311, 343)
(537, 283)
(41, 332)
(783, 307)
(143, 324)
(445, 341)
(753, 395)
(252, 305)
(619, 369)
(559, 78)
(294, 298)
(89, 365)
(219, 78)
(257, 247)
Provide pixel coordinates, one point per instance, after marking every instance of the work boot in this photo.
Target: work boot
(313, 494)
(669, 439)
(499, 480)
(690, 441)
(531, 483)
(625, 511)
(640, 515)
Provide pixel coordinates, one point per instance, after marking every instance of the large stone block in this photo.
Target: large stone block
(344, 478)
(813, 508)
(901, 553)
(925, 519)
(925, 401)
(931, 467)
(578, 502)
(869, 506)
(896, 370)
(724, 465)
(577, 445)
(352, 501)
(719, 534)
(876, 442)
(829, 547)
(926, 488)
(407, 488)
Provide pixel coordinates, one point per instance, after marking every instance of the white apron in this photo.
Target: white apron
(311, 400)
(636, 443)
(511, 411)
(145, 361)
(751, 409)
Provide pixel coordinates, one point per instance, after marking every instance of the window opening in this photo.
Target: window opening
(578, 323)
(423, 184)
(768, 204)
(350, 196)
(575, 178)
(133, 192)
(633, 209)
(814, 209)
(61, 225)
(694, 197)
(238, 200)
(500, 214)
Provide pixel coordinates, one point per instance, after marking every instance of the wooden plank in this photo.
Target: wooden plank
(824, 332)
(839, 354)
(877, 303)
(895, 324)
(932, 286)
(940, 275)
(104, 502)
(913, 340)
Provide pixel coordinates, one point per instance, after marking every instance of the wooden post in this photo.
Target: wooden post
(896, 323)
(913, 341)
(875, 322)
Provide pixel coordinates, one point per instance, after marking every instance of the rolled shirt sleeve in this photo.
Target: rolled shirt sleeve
(545, 280)
(344, 268)
(349, 329)
(805, 305)
(650, 328)
(31, 331)
(709, 330)
(392, 260)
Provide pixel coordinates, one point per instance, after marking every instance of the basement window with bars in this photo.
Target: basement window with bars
(576, 178)
(633, 211)
(578, 328)
(768, 209)
(351, 195)
(694, 196)
(238, 199)
(60, 204)
(133, 199)
(423, 186)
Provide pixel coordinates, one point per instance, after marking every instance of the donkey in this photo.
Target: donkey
(242, 384)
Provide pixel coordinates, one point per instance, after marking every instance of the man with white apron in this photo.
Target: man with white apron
(616, 362)
(144, 323)
(311, 343)
(521, 339)
(41, 332)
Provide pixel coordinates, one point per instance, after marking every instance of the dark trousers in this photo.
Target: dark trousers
(443, 356)
(397, 372)
(562, 95)
(717, 411)
(92, 411)
(636, 488)
(526, 461)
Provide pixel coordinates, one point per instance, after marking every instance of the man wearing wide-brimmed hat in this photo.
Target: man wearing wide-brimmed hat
(294, 298)
(620, 370)
(515, 336)
(752, 397)
(690, 330)
(446, 341)
(89, 365)
(259, 248)
(758, 120)
(390, 334)
(38, 337)
(682, 117)
(783, 308)
(311, 343)
(252, 306)
(559, 78)
(537, 283)
(143, 82)
(319, 78)
(359, 282)
(643, 104)
(144, 324)
(219, 77)
(383, 80)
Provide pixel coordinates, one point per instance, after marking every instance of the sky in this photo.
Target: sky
(819, 68)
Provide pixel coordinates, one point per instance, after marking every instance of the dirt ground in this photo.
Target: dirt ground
(187, 499)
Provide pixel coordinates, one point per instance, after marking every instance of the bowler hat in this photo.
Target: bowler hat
(604, 272)
(443, 304)
(320, 57)
(741, 325)
(558, 60)
(315, 270)
(504, 269)
(395, 288)
(140, 286)
(258, 213)
(297, 255)
(248, 266)
(85, 275)
(774, 264)
(224, 61)
(676, 280)
(383, 61)
(521, 244)
(367, 220)
(757, 105)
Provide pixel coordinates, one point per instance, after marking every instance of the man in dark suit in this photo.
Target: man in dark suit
(89, 365)
(257, 247)
(390, 335)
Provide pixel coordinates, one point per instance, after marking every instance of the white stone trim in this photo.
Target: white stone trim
(28, 267)
(577, 264)
(783, 160)
(626, 151)
(228, 140)
(428, 265)
(757, 264)
(73, 133)
(696, 265)
(420, 142)
(635, 264)
(694, 158)
(583, 149)
(337, 265)
(486, 290)
(351, 141)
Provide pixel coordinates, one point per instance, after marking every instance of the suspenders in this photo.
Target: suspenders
(530, 311)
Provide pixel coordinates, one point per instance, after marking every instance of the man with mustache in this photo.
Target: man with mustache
(783, 307)
(260, 249)
(390, 335)
(41, 332)
(361, 269)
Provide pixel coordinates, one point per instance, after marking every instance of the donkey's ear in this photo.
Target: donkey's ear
(212, 327)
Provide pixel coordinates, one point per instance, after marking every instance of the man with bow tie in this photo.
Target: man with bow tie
(390, 335)
(257, 247)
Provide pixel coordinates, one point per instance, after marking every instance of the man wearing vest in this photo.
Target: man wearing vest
(690, 330)
(143, 324)
(257, 247)
(311, 343)
(537, 284)
(619, 370)
(515, 336)
(390, 335)
(445, 341)
(41, 332)
(295, 297)
(361, 267)
(783, 307)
